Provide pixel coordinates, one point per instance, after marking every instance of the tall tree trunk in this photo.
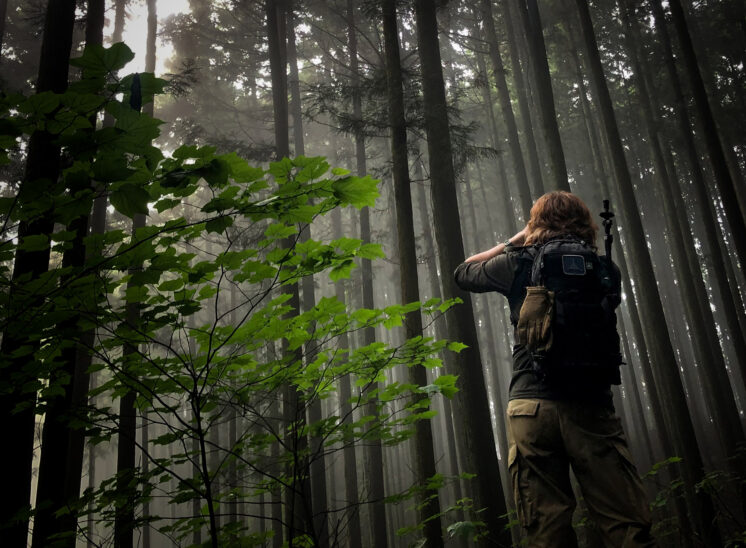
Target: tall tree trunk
(693, 293)
(665, 373)
(373, 450)
(528, 13)
(3, 15)
(61, 462)
(424, 465)
(318, 463)
(42, 171)
(148, 108)
(736, 217)
(298, 511)
(120, 7)
(535, 175)
(441, 330)
(701, 196)
(506, 203)
(479, 441)
(296, 109)
(498, 71)
(352, 496)
(124, 523)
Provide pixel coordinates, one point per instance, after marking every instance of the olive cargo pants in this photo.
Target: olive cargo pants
(547, 437)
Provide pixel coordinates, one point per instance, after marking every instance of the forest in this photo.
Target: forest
(229, 317)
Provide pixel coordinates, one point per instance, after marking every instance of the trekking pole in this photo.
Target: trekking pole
(607, 217)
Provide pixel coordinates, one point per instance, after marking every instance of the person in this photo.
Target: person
(564, 420)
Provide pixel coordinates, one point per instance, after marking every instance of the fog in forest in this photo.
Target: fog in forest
(229, 232)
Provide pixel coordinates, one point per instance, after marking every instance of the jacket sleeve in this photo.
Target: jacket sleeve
(496, 274)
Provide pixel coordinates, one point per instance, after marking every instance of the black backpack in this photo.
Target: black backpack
(567, 320)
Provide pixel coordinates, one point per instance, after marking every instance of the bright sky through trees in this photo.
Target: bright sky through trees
(136, 29)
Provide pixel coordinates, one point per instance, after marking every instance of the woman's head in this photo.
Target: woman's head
(560, 213)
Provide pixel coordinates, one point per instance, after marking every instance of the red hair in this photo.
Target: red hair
(560, 213)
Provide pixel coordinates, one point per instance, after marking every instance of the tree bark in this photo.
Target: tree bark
(61, 462)
(701, 196)
(535, 175)
(317, 466)
(119, 14)
(352, 496)
(298, 510)
(3, 15)
(42, 171)
(424, 465)
(498, 71)
(373, 450)
(693, 293)
(528, 13)
(506, 203)
(479, 441)
(724, 181)
(666, 373)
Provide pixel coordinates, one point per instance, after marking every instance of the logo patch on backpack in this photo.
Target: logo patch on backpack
(573, 265)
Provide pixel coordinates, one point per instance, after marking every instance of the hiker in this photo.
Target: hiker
(562, 297)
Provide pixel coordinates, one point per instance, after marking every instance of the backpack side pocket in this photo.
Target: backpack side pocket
(535, 319)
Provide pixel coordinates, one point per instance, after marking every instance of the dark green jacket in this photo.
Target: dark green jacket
(508, 274)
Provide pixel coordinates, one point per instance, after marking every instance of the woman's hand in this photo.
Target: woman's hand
(516, 240)
(519, 238)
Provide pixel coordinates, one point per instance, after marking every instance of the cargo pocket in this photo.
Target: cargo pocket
(521, 415)
(534, 328)
(524, 505)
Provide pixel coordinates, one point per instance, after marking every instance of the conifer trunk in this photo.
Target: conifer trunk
(498, 71)
(700, 193)
(61, 462)
(479, 441)
(693, 293)
(424, 465)
(373, 450)
(528, 13)
(317, 466)
(298, 510)
(736, 217)
(41, 173)
(508, 213)
(534, 171)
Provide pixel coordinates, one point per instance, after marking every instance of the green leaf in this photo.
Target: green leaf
(137, 130)
(356, 191)
(240, 170)
(463, 529)
(370, 251)
(216, 172)
(447, 385)
(166, 203)
(82, 103)
(171, 285)
(219, 224)
(279, 231)
(110, 168)
(36, 242)
(281, 170)
(456, 346)
(341, 270)
(129, 199)
(40, 103)
(97, 60)
(149, 86)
